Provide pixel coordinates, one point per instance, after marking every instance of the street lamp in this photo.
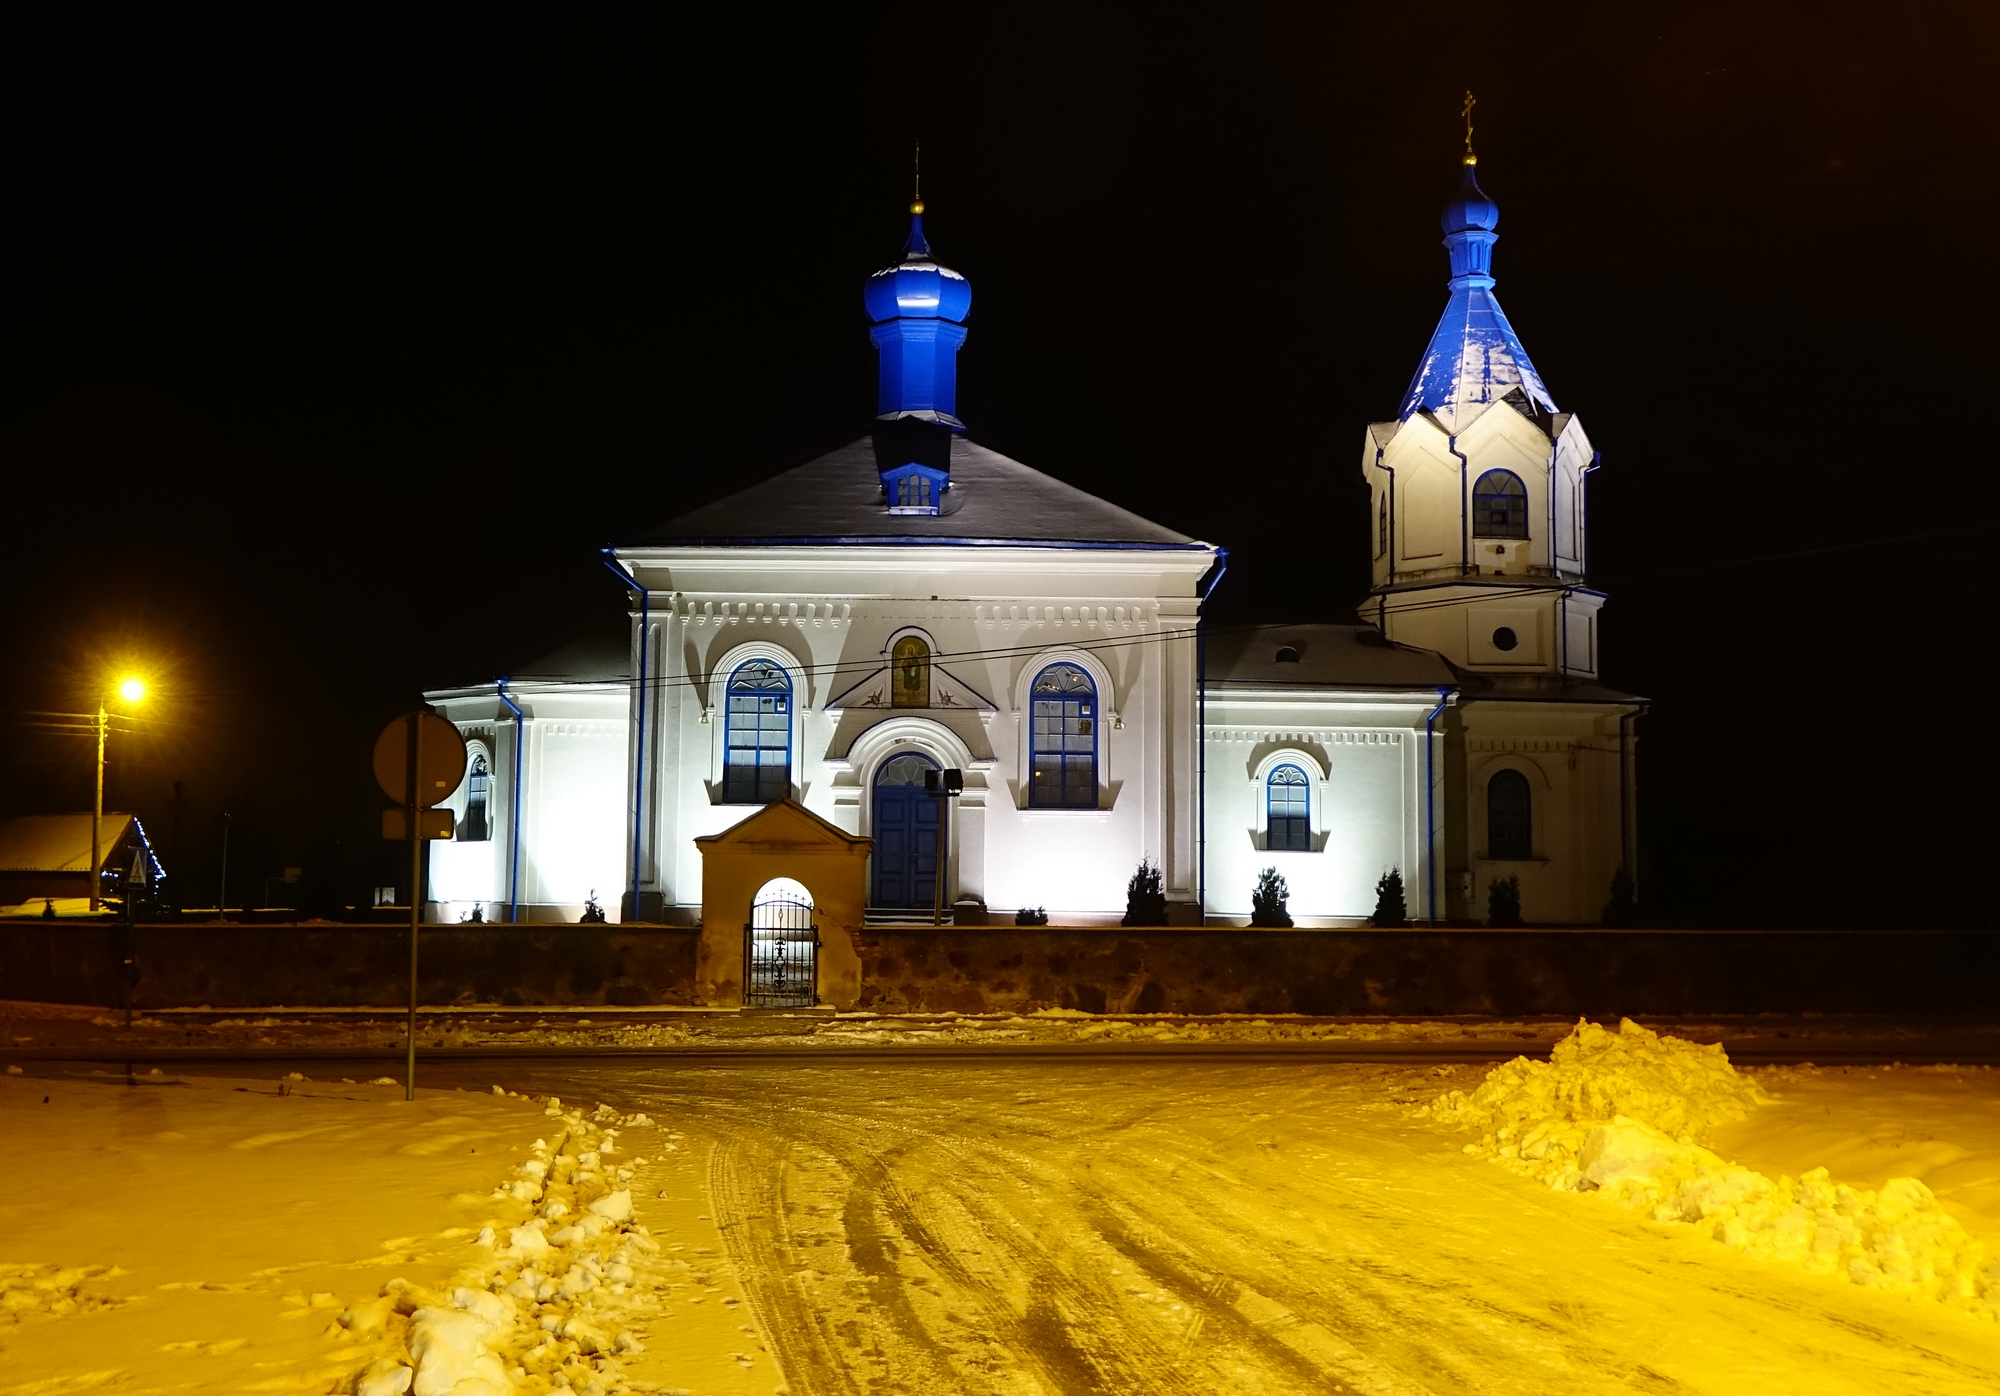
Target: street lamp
(130, 690)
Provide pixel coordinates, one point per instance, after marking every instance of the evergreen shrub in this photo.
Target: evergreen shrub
(1503, 901)
(1268, 898)
(1145, 897)
(1390, 907)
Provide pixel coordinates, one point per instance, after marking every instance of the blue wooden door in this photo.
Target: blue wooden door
(906, 833)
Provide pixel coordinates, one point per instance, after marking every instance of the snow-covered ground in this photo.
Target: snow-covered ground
(907, 1225)
(190, 1235)
(48, 1030)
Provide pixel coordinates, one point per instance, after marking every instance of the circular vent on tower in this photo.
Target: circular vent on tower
(1505, 639)
(1287, 655)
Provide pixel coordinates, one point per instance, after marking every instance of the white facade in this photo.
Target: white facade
(778, 637)
(992, 620)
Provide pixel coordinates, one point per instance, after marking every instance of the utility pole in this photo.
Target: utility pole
(97, 811)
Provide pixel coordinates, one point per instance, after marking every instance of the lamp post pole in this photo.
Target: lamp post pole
(97, 809)
(222, 895)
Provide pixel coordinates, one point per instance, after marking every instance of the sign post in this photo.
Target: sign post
(419, 761)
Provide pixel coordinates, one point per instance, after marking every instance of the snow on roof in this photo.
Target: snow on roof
(56, 842)
(838, 498)
(1328, 656)
(1474, 359)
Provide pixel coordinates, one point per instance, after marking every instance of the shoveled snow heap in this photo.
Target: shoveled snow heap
(1625, 1115)
(566, 1281)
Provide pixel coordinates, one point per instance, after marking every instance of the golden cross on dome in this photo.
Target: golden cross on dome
(1470, 102)
(917, 174)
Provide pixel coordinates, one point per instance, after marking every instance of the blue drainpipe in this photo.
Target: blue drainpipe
(514, 820)
(639, 773)
(1201, 721)
(1430, 809)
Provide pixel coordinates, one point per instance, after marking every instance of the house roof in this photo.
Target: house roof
(837, 498)
(784, 821)
(1329, 656)
(57, 842)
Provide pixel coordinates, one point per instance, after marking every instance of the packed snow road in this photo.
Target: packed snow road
(1215, 1226)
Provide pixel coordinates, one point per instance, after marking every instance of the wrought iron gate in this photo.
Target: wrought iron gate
(781, 954)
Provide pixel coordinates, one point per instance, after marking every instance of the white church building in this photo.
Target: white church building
(915, 602)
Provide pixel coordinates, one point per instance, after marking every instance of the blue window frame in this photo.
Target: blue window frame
(1499, 506)
(1510, 816)
(1063, 743)
(757, 735)
(1288, 810)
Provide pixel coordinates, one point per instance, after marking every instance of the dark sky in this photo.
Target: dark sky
(333, 354)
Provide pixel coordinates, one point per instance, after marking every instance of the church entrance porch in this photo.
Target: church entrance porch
(781, 948)
(906, 834)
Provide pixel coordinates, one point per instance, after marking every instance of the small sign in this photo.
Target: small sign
(431, 823)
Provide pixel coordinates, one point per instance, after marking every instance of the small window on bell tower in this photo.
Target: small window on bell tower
(1499, 506)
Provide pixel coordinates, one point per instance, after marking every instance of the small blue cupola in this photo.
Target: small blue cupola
(917, 306)
(1474, 358)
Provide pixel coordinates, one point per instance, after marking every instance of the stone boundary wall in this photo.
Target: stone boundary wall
(330, 966)
(1020, 969)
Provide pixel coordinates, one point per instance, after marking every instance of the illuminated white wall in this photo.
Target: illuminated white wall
(575, 742)
(1364, 756)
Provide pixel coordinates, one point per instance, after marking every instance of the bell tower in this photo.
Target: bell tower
(1477, 488)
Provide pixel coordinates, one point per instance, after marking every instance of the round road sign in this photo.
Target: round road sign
(440, 760)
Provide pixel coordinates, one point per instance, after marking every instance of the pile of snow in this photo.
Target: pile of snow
(49, 1289)
(1625, 1114)
(563, 1282)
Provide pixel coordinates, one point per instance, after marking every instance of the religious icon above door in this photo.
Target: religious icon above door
(911, 669)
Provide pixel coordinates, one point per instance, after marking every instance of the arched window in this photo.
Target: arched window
(478, 826)
(1499, 506)
(1510, 816)
(1063, 746)
(1288, 808)
(757, 738)
(910, 666)
(1382, 525)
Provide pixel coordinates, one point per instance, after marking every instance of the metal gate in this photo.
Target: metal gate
(781, 954)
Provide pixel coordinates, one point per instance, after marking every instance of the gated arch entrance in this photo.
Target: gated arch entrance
(781, 947)
(906, 833)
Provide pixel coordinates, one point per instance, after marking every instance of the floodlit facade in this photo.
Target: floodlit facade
(914, 603)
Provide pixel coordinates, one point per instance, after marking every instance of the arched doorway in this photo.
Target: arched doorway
(906, 834)
(780, 949)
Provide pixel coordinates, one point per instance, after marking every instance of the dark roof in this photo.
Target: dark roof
(838, 498)
(603, 655)
(1536, 688)
(1329, 656)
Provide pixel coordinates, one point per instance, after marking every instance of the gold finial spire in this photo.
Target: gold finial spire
(1466, 112)
(917, 173)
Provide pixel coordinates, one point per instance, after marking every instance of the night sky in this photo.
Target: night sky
(333, 354)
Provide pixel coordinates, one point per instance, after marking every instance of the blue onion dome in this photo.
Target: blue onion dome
(1471, 211)
(918, 287)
